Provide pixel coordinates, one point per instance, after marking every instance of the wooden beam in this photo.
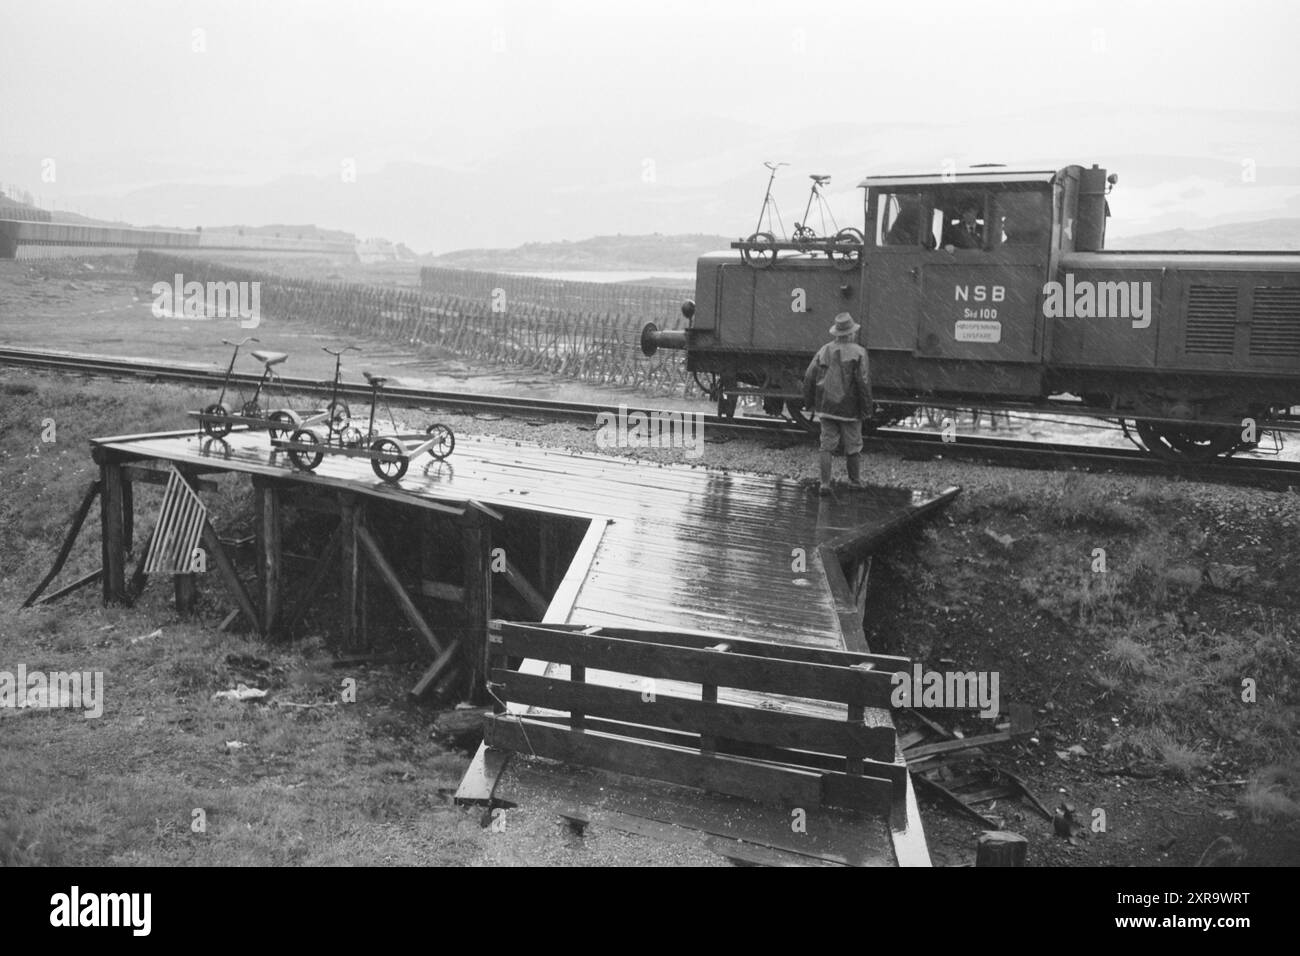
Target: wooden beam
(270, 552)
(160, 476)
(852, 637)
(78, 519)
(549, 570)
(857, 544)
(695, 665)
(442, 591)
(370, 547)
(350, 571)
(532, 597)
(566, 594)
(479, 784)
(476, 547)
(112, 530)
(443, 665)
(885, 663)
(729, 721)
(718, 773)
(318, 577)
(76, 585)
(217, 552)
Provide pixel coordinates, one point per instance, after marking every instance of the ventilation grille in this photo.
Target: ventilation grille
(1211, 320)
(1275, 324)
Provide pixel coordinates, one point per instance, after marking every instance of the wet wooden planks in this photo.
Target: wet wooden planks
(686, 548)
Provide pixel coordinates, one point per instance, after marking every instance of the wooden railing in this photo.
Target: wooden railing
(801, 726)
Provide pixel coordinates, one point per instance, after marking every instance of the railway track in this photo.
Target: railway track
(1280, 475)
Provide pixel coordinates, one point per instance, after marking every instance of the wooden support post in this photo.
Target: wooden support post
(389, 577)
(112, 533)
(350, 572)
(1001, 848)
(186, 593)
(128, 514)
(270, 553)
(308, 594)
(549, 568)
(217, 553)
(77, 521)
(476, 547)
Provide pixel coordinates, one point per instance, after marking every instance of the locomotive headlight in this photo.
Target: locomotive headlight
(688, 308)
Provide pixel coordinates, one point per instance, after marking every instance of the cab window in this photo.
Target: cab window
(905, 219)
(1023, 217)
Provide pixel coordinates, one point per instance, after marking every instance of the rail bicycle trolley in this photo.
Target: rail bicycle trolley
(217, 420)
(390, 454)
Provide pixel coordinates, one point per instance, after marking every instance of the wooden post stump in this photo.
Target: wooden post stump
(1001, 848)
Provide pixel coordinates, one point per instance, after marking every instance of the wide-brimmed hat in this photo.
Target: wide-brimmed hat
(844, 325)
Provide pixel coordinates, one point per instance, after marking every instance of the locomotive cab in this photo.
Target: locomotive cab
(953, 271)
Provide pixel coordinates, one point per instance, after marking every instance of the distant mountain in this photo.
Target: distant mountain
(1273, 234)
(1178, 169)
(599, 253)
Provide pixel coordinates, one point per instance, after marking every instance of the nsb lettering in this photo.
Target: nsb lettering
(980, 293)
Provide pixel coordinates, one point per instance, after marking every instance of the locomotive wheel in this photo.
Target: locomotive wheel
(216, 429)
(847, 250)
(1187, 443)
(755, 255)
(804, 420)
(390, 471)
(282, 422)
(306, 460)
(444, 440)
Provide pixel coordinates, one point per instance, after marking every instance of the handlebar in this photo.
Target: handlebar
(346, 348)
(773, 166)
(243, 341)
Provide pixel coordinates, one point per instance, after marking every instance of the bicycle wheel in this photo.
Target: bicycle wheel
(306, 460)
(759, 250)
(215, 429)
(444, 440)
(846, 249)
(282, 422)
(389, 470)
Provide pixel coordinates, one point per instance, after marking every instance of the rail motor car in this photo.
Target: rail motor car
(1023, 307)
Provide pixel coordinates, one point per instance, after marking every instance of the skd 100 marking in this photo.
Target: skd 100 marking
(980, 293)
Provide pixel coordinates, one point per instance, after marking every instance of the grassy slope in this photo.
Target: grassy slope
(355, 783)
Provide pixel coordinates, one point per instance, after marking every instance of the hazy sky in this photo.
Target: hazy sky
(131, 92)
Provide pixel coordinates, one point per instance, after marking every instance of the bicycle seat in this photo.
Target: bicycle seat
(819, 179)
(375, 380)
(269, 358)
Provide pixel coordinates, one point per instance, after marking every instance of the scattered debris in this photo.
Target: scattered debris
(1067, 825)
(146, 637)
(242, 692)
(235, 745)
(1222, 852)
(1001, 848)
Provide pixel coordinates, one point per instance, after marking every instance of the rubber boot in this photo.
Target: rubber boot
(855, 472)
(825, 463)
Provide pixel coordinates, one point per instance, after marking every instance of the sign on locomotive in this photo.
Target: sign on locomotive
(994, 287)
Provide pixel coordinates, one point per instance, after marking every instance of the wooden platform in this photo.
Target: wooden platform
(669, 548)
(684, 548)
